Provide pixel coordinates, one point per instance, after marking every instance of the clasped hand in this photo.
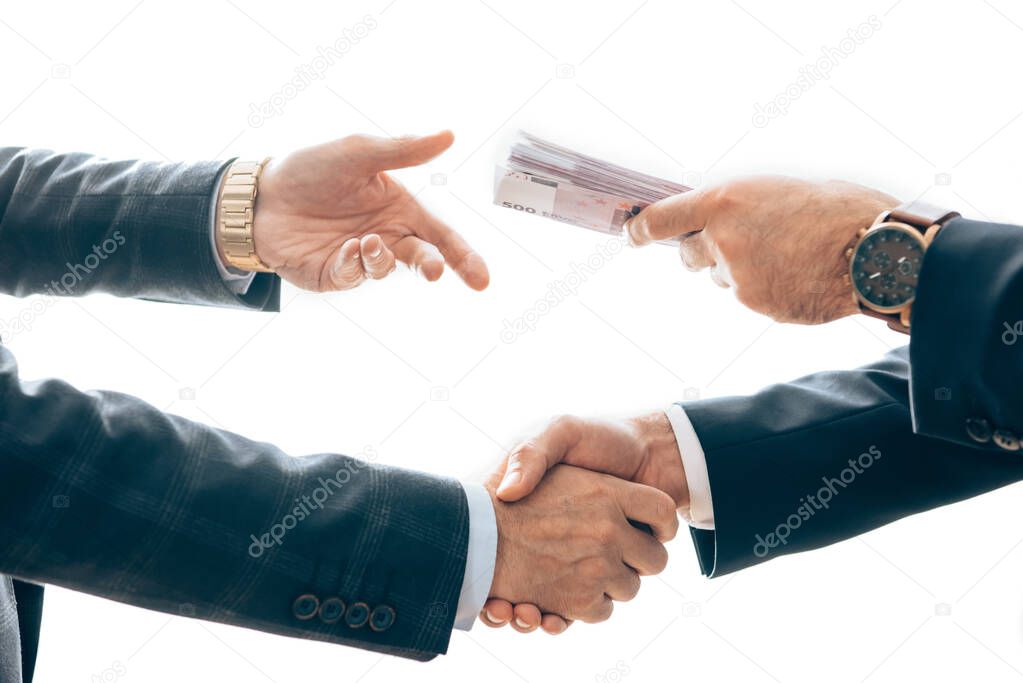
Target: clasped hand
(566, 548)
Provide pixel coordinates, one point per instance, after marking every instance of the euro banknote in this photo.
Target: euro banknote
(545, 179)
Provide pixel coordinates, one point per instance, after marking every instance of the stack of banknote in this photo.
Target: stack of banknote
(545, 179)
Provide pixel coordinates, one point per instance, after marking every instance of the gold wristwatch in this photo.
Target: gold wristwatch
(885, 260)
(235, 210)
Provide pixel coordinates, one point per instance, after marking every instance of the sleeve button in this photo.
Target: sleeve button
(357, 615)
(331, 610)
(978, 429)
(1006, 440)
(382, 618)
(305, 606)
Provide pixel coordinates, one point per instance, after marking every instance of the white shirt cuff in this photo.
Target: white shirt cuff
(481, 554)
(238, 281)
(700, 514)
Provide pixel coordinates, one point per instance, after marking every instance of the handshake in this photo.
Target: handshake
(582, 512)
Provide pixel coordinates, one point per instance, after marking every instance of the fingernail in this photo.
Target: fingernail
(631, 230)
(376, 252)
(520, 623)
(492, 618)
(510, 479)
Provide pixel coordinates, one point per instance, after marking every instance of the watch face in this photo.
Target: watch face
(885, 266)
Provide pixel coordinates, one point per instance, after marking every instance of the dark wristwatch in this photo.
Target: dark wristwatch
(885, 260)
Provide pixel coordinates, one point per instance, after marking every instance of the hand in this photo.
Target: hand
(641, 449)
(328, 217)
(780, 242)
(569, 548)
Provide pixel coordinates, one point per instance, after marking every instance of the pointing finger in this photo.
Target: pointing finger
(420, 256)
(459, 255)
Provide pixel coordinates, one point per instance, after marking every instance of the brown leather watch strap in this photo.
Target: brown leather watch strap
(920, 214)
(893, 321)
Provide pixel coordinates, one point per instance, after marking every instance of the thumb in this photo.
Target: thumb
(386, 154)
(677, 215)
(529, 462)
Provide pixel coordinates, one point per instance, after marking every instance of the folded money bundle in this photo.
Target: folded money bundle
(549, 180)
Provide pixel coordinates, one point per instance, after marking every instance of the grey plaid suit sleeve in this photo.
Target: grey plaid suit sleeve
(102, 493)
(71, 224)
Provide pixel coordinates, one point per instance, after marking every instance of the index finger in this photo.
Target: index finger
(677, 215)
(457, 253)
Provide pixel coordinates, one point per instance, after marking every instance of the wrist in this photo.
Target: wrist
(235, 216)
(500, 520)
(662, 460)
(264, 217)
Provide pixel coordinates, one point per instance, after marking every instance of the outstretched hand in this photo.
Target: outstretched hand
(328, 217)
(779, 242)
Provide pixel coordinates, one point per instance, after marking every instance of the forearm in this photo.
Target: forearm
(104, 494)
(71, 224)
(802, 465)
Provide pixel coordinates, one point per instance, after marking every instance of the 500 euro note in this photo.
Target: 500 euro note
(548, 180)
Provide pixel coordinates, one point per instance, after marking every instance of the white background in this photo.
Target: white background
(667, 87)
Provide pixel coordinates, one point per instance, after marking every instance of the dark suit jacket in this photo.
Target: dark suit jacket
(102, 493)
(802, 465)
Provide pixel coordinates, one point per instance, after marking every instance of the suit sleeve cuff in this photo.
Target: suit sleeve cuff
(481, 555)
(700, 514)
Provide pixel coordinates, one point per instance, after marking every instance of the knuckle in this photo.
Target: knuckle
(631, 587)
(405, 143)
(605, 530)
(600, 611)
(358, 139)
(658, 559)
(525, 453)
(639, 227)
(593, 570)
(564, 423)
(579, 607)
(664, 509)
(721, 198)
